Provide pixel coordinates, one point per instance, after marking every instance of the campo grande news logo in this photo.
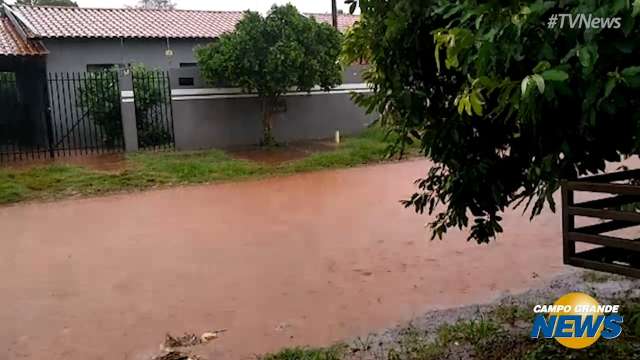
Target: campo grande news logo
(577, 321)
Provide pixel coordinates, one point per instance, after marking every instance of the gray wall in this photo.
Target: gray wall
(76, 54)
(202, 123)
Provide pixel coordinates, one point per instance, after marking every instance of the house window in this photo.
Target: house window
(188, 65)
(185, 81)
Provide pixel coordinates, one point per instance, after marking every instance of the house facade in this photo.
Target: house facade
(58, 101)
(87, 39)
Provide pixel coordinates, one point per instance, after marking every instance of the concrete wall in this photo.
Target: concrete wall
(207, 117)
(73, 55)
(76, 54)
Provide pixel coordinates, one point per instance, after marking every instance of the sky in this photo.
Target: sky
(315, 6)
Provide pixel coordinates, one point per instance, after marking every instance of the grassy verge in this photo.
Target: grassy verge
(500, 334)
(335, 352)
(148, 170)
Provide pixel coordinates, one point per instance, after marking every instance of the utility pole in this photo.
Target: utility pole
(334, 13)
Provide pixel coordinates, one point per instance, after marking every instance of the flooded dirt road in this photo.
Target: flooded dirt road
(305, 259)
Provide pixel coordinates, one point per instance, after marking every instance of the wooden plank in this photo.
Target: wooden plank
(600, 253)
(610, 268)
(610, 241)
(605, 227)
(615, 201)
(620, 189)
(605, 214)
(568, 224)
(615, 176)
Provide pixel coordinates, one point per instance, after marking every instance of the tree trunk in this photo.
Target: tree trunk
(267, 125)
(334, 14)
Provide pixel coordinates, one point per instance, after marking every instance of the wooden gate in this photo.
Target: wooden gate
(613, 236)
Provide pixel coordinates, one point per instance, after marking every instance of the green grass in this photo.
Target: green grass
(597, 277)
(512, 313)
(149, 170)
(335, 352)
(414, 344)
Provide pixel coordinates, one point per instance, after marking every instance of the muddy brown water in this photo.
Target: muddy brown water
(306, 259)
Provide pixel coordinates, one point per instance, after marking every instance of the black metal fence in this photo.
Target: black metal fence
(154, 115)
(85, 113)
(62, 114)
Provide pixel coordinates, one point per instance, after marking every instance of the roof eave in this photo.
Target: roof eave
(19, 21)
(60, 37)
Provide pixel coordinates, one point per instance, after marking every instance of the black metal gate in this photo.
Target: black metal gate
(154, 115)
(85, 113)
(62, 114)
(23, 124)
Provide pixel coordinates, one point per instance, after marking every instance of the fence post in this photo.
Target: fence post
(128, 110)
(47, 115)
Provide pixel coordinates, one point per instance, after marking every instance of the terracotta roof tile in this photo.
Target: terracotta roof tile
(67, 22)
(345, 21)
(11, 43)
(73, 22)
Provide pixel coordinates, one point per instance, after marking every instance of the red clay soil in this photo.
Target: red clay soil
(307, 259)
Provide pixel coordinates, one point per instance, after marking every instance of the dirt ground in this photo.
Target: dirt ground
(117, 162)
(102, 162)
(606, 288)
(306, 259)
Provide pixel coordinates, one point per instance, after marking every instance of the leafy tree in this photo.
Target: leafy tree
(155, 4)
(69, 3)
(272, 55)
(504, 105)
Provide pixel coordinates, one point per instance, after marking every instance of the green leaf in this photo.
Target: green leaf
(608, 88)
(631, 76)
(630, 71)
(588, 56)
(476, 104)
(460, 105)
(628, 23)
(467, 107)
(617, 5)
(539, 82)
(524, 85)
(542, 66)
(555, 75)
